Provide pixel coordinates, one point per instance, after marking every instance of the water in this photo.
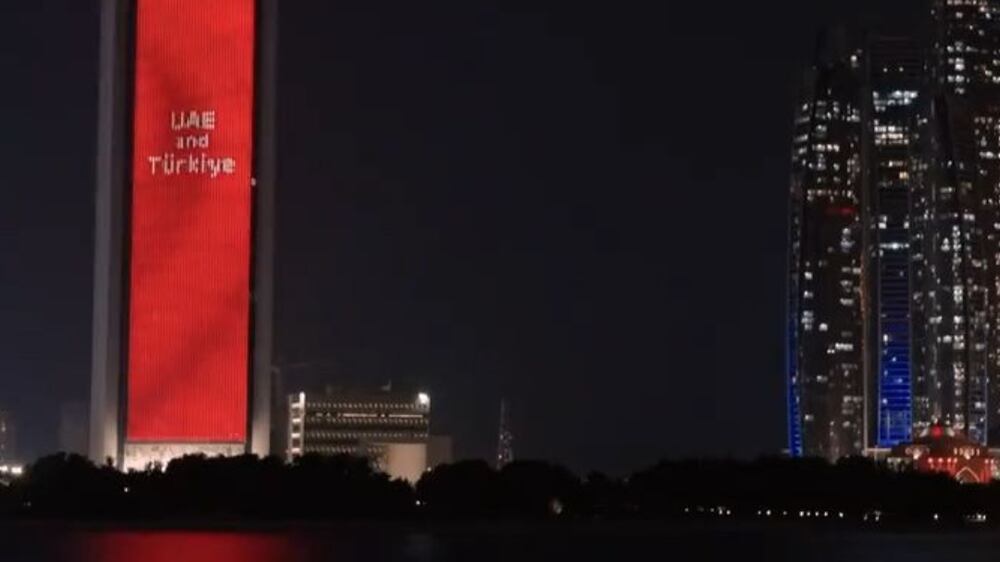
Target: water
(376, 543)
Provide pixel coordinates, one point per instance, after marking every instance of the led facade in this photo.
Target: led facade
(894, 88)
(966, 72)
(183, 281)
(189, 285)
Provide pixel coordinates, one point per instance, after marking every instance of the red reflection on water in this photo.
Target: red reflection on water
(170, 546)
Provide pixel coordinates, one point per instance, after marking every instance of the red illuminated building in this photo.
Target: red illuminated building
(182, 314)
(941, 449)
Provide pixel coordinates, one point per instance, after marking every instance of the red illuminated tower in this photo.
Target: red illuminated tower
(184, 221)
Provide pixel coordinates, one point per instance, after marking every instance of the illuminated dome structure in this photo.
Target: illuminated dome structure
(941, 449)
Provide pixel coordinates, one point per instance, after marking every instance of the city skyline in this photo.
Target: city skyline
(493, 280)
(533, 202)
(894, 274)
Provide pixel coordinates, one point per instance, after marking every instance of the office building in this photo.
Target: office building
(391, 428)
(954, 290)
(930, 278)
(184, 212)
(825, 374)
(964, 171)
(894, 94)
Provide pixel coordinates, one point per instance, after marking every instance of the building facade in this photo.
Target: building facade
(966, 73)
(893, 92)
(390, 428)
(930, 279)
(826, 397)
(183, 255)
(941, 449)
(955, 285)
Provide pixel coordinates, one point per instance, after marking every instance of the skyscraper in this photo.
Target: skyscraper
(182, 287)
(894, 87)
(954, 299)
(826, 397)
(930, 277)
(966, 73)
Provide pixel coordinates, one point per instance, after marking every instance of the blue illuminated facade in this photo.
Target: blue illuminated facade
(791, 357)
(894, 271)
(799, 153)
(895, 82)
(894, 383)
(825, 333)
(794, 422)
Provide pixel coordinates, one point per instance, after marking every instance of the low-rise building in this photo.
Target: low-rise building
(941, 449)
(390, 428)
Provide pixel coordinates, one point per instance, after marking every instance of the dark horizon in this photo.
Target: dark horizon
(581, 210)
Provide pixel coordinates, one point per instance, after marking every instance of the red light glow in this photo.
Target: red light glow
(189, 290)
(182, 546)
(840, 211)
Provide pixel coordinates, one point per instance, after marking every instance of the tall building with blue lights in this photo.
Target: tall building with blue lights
(826, 383)
(894, 93)
(894, 242)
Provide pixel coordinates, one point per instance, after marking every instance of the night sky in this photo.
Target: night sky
(580, 208)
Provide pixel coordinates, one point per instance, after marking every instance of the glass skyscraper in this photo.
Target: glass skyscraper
(825, 361)
(894, 73)
(965, 68)
(894, 247)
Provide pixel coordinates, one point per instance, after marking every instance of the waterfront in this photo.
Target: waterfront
(376, 543)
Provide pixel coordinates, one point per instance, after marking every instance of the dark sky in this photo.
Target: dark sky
(580, 208)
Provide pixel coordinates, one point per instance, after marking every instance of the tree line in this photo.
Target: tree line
(339, 487)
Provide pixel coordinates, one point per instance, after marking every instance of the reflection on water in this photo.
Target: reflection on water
(368, 543)
(374, 542)
(146, 546)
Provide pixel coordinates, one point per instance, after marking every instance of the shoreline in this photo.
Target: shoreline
(498, 526)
